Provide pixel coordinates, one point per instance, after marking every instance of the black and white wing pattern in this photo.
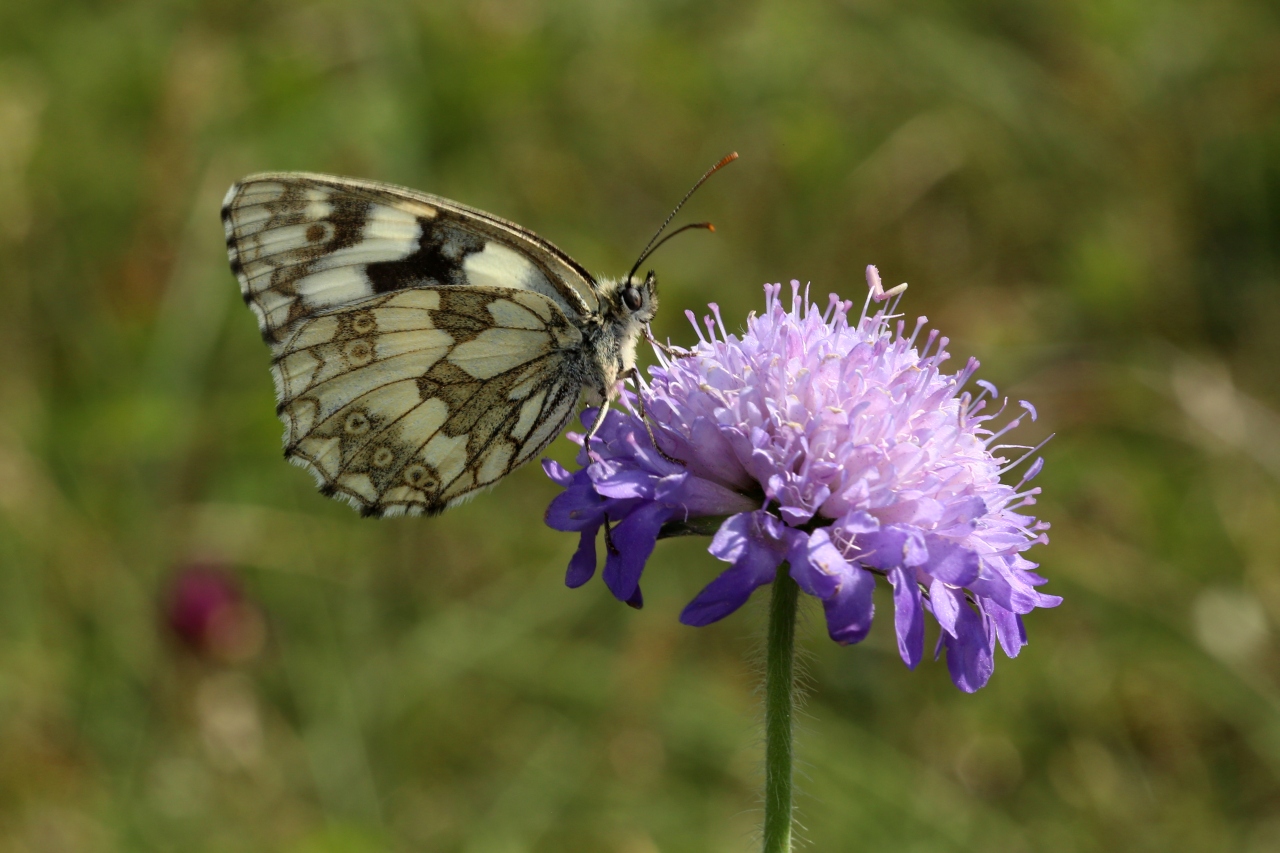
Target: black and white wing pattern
(302, 243)
(409, 402)
(421, 349)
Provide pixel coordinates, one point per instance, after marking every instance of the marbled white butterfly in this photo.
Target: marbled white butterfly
(423, 349)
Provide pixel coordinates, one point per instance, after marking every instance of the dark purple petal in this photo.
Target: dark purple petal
(969, 658)
(892, 546)
(1009, 628)
(634, 538)
(908, 616)
(557, 472)
(795, 515)
(622, 483)
(850, 609)
(816, 564)
(734, 537)
(757, 529)
(582, 566)
(914, 551)
(946, 604)
(949, 562)
(575, 509)
(699, 497)
(755, 567)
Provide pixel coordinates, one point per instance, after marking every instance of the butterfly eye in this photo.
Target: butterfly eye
(631, 298)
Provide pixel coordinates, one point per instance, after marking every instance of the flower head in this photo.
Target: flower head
(839, 447)
(206, 608)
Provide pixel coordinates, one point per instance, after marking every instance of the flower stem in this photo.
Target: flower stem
(779, 706)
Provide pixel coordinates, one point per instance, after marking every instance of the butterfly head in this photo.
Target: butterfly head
(629, 302)
(627, 306)
(638, 298)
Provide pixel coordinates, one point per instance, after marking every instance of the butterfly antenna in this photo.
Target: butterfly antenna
(704, 225)
(649, 249)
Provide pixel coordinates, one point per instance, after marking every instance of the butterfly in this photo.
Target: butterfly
(423, 349)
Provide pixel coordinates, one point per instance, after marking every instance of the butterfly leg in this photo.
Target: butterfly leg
(595, 427)
(666, 349)
(634, 374)
(608, 539)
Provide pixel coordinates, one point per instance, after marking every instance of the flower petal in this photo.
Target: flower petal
(850, 610)
(816, 564)
(615, 481)
(908, 616)
(582, 566)
(557, 472)
(949, 562)
(946, 604)
(969, 658)
(891, 546)
(733, 538)
(634, 538)
(755, 567)
(575, 509)
(699, 497)
(1009, 628)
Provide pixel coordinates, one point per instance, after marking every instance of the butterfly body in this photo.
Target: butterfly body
(421, 349)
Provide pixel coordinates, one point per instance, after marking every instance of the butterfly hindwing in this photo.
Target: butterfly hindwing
(408, 402)
(303, 244)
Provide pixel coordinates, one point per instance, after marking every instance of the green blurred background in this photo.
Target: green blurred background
(1084, 195)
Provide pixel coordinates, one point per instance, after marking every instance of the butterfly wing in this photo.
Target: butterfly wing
(410, 401)
(302, 244)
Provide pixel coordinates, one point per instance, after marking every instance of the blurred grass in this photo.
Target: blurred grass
(1086, 196)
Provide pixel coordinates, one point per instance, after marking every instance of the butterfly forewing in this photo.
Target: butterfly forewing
(301, 244)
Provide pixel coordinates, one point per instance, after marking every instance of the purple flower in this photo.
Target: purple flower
(206, 608)
(840, 448)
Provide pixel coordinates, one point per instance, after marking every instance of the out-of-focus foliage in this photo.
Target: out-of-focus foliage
(1085, 195)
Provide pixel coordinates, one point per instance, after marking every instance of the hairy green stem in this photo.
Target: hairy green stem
(779, 708)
